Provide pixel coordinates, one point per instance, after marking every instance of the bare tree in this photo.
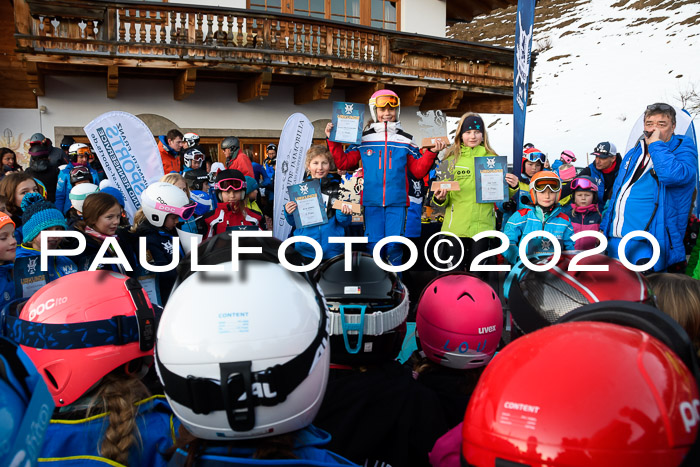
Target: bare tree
(690, 99)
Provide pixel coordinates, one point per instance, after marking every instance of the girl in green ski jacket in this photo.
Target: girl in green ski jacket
(464, 217)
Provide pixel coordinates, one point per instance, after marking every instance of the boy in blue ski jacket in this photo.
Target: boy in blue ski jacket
(545, 214)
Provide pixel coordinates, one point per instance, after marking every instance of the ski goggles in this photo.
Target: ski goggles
(662, 107)
(184, 212)
(198, 156)
(79, 170)
(82, 152)
(535, 157)
(230, 184)
(553, 184)
(384, 101)
(582, 184)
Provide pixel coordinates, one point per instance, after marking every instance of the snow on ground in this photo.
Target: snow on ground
(600, 73)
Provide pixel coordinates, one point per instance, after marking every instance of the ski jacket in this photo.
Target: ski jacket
(335, 227)
(169, 156)
(93, 245)
(7, 284)
(241, 163)
(465, 217)
(62, 266)
(307, 448)
(527, 220)
(77, 442)
(387, 154)
(582, 221)
(658, 201)
(159, 252)
(224, 217)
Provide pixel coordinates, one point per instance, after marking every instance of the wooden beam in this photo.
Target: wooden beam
(35, 78)
(441, 100)
(362, 93)
(486, 104)
(184, 83)
(313, 90)
(411, 97)
(256, 87)
(112, 81)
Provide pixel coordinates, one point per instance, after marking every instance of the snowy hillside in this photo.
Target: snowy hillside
(600, 63)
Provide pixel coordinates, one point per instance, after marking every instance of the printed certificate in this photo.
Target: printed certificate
(347, 122)
(491, 186)
(311, 208)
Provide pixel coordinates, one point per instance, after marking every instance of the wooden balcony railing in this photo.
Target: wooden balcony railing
(157, 34)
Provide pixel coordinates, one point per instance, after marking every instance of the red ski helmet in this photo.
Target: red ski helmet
(586, 393)
(75, 338)
(538, 299)
(459, 321)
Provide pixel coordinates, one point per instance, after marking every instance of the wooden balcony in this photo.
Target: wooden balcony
(257, 50)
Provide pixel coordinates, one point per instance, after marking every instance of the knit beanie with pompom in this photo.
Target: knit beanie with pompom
(39, 214)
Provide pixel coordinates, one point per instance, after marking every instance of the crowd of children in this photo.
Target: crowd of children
(273, 367)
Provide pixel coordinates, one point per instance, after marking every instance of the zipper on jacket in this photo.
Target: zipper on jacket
(386, 141)
(389, 160)
(452, 215)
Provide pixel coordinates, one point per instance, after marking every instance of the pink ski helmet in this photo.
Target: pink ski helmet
(384, 98)
(459, 321)
(568, 157)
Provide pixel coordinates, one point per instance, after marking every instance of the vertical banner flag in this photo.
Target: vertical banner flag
(295, 140)
(521, 77)
(128, 153)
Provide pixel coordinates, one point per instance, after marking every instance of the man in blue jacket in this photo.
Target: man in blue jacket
(653, 192)
(604, 171)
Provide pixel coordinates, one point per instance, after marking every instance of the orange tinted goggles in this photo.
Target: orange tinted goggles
(541, 185)
(384, 101)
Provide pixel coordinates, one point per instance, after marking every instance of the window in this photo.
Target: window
(376, 13)
(384, 14)
(270, 5)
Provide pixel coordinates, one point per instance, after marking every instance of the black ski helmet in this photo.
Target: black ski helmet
(196, 178)
(232, 143)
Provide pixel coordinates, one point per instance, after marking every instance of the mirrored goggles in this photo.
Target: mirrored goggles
(197, 157)
(184, 212)
(582, 184)
(384, 101)
(535, 157)
(80, 169)
(230, 184)
(541, 185)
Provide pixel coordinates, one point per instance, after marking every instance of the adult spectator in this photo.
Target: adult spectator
(603, 170)
(270, 159)
(235, 158)
(41, 169)
(169, 146)
(653, 191)
(56, 155)
(260, 177)
(66, 143)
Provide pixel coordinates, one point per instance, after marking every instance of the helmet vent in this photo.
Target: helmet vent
(468, 295)
(51, 379)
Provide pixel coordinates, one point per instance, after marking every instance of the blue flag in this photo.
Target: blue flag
(521, 77)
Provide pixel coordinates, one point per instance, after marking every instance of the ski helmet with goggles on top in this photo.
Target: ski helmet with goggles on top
(26, 406)
(459, 321)
(538, 299)
(368, 308)
(568, 157)
(581, 394)
(160, 199)
(192, 139)
(79, 149)
(241, 369)
(191, 155)
(533, 154)
(79, 174)
(585, 183)
(75, 338)
(544, 180)
(384, 98)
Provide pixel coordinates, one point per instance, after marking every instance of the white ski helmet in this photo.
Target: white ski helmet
(192, 154)
(192, 139)
(78, 194)
(384, 98)
(156, 199)
(242, 369)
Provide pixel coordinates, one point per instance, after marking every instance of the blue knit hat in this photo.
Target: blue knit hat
(114, 192)
(250, 185)
(39, 214)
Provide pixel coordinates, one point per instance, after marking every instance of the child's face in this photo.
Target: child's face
(8, 243)
(232, 196)
(27, 186)
(531, 168)
(8, 159)
(318, 167)
(583, 198)
(171, 221)
(108, 222)
(472, 138)
(82, 159)
(51, 243)
(386, 114)
(253, 195)
(196, 163)
(547, 198)
(205, 187)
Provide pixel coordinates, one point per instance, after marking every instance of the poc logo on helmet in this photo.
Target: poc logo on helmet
(47, 305)
(690, 414)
